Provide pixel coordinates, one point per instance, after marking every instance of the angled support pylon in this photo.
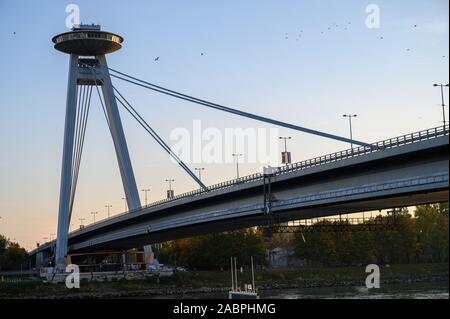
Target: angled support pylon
(88, 40)
(67, 164)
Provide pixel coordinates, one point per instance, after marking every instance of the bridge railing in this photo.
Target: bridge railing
(321, 160)
(357, 151)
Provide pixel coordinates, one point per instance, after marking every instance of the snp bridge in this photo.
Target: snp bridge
(406, 170)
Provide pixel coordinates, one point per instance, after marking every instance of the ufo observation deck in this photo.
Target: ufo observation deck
(87, 40)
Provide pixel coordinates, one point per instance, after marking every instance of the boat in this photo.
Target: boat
(249, 292)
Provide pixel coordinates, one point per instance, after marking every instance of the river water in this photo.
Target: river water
(398, 291)
(438, 290)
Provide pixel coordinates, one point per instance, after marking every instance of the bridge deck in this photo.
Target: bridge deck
(177, 208)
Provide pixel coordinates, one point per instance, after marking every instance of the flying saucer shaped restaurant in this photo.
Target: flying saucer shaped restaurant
(87, 40)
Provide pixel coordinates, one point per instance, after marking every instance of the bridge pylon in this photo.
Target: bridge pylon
(87, 46)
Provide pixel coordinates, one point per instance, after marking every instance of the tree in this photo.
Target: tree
(213, 251)
(12, 256)
(433, 232)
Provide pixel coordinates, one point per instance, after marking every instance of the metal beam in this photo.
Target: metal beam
(120, 144)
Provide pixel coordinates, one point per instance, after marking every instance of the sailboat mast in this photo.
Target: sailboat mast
(253, 275)
(232, 277)
(235, 273)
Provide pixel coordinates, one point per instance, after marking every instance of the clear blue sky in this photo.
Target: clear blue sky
(248, 63)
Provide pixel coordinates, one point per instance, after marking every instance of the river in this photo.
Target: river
(434, 290)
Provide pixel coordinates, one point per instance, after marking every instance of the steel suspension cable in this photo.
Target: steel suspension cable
(84, 119)
(78, 112)
(80, 120)
(148, 128)
(156, 137)
(192, 99)
(77, 126)
(98, 93)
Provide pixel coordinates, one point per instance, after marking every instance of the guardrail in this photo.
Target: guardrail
(357, 151)
(321, 160)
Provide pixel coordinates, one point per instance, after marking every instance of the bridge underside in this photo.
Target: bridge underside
(413, 174)
(262, 219)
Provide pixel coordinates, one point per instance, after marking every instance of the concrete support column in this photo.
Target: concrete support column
(66, 168)
(148, 255)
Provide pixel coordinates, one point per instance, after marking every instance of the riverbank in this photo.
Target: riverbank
(210, 282)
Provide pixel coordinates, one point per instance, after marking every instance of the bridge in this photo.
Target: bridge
(403, 171)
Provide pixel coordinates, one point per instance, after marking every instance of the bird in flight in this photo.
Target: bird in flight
(157, 58)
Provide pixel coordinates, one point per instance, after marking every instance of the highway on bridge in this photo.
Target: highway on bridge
(403, 171)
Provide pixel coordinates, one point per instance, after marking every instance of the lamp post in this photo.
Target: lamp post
(94, 213)
(199, 170)
(350, 116)
(108, 207)
(81, 221)
(145, 190)
(236, 155)
(442, 98)
(285, 156)
(170, 192)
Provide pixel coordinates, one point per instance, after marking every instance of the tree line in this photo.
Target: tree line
(422, 238)
(12, 256)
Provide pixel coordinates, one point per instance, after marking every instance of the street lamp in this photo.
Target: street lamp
(285, 156)
(200, 169)
(108, 207)
(146, 190)
(350, 116)
(442, 98)
(81, 221)
(170, 192)
(237, 163)
(94, 213)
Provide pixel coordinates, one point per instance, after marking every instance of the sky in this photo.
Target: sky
(254, 59)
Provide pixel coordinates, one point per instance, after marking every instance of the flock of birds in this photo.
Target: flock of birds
(334, 25)
(345, 27)
(299, 36)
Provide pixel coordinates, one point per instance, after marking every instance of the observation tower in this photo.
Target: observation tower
(87, 46)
